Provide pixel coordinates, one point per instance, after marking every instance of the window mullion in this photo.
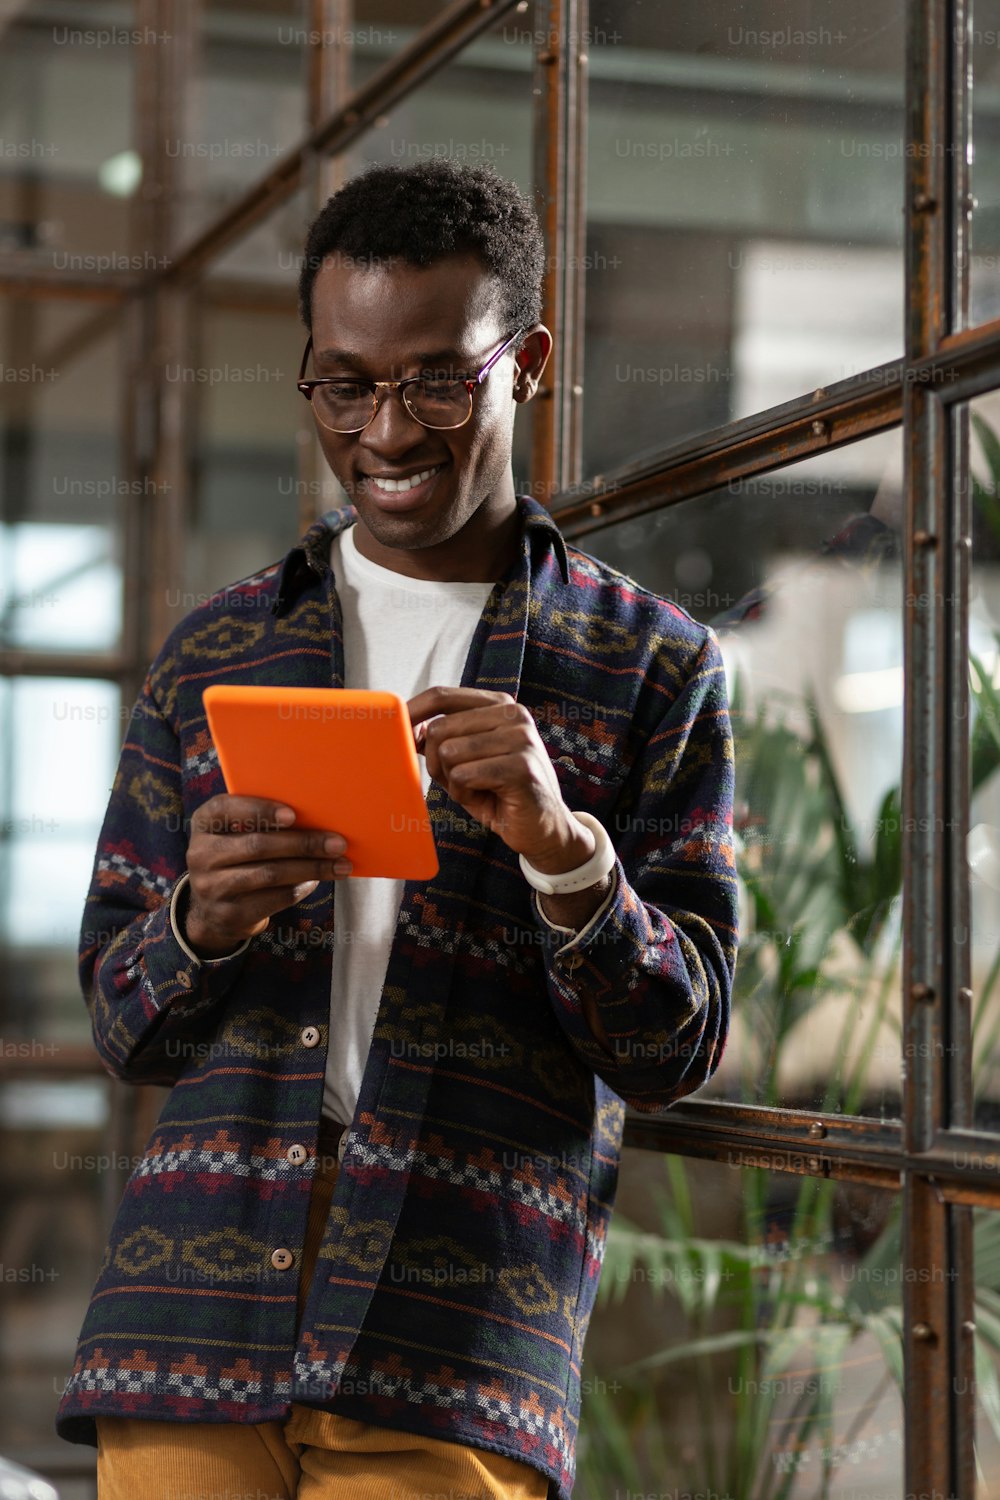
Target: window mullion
(936, 1308)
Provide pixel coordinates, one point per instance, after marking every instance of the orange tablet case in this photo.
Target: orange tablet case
(343, 758)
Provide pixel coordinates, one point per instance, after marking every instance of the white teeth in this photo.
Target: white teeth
(400, 486)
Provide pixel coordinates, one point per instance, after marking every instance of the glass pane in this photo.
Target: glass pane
(58, 750)
(246, 105)
(67, 170)
(62, 492)
(247, 496)
(746, 1340)
(476, 110)
(379, 29)
(745, 188)
(53, 1165)
(984, 267)
(799, 573)
(984, 728)
(986, 1241)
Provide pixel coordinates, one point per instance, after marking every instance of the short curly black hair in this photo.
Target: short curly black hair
(424, 212)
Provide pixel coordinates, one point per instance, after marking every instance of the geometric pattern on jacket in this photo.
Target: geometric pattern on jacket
(466, 1235)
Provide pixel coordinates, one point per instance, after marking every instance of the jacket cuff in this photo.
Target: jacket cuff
(222, 958)
(602, 962)
(573, 932)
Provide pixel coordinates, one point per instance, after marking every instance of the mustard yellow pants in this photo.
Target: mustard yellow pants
(314, 1455)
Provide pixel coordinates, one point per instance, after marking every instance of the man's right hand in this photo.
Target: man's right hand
(247, 862)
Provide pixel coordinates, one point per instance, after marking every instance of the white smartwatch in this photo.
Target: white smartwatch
(596, 867)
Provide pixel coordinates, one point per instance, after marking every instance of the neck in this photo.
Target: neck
(481, 552)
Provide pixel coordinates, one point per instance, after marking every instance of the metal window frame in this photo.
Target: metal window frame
(932, 1157)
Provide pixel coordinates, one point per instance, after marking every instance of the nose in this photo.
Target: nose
(393, 429)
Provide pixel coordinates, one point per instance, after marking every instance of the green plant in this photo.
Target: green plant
(752, 1316)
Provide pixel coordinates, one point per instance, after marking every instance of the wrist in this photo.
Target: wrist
(591, 871)
(575, 909)
(193, 932)
(578, 846)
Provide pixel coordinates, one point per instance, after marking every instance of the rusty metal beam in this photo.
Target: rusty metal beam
(963, 365)
(823, 1145)
(96, 286)
(560, 174)
(842, 413)
(16, 662)
(940, 1427)
(51, 1059)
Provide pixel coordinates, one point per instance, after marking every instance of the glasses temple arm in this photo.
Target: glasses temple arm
(498, 356)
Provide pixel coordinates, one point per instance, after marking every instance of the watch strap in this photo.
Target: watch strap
(589, 873)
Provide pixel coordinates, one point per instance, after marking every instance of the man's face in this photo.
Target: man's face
(394, 320)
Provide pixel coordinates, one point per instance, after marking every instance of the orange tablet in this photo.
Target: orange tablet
(343, 758)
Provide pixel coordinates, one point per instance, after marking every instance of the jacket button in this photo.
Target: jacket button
(281, 1259)
(310, 1037)
(572, 960)
(297, 1153)
(184, 979)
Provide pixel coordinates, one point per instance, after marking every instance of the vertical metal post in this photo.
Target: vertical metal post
(560, 172)
(156, 416)
(958, 1054)
(165, 68)
(328, 64)
(937, 1342)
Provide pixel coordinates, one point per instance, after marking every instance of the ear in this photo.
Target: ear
(530, 361)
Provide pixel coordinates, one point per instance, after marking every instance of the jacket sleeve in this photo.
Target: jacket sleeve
(151, 1000)
(657, 961)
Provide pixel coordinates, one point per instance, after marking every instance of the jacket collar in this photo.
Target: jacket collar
(310, 557)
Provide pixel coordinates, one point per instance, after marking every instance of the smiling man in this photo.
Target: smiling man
(360, 1254)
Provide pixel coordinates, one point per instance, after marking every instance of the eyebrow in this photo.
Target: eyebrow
(351, 357)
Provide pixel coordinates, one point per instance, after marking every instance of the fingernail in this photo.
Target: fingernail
(304, 889)
(284, 816)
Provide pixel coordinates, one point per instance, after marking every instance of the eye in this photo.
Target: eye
(346, 390)
(440, 387)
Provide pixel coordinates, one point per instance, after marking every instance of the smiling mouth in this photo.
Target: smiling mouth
(402, 486)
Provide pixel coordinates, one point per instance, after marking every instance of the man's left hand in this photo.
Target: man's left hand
(485, 750)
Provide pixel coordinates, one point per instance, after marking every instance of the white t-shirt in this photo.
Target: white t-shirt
(401, 635)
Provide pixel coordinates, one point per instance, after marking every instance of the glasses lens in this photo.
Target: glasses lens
(439, 403)
(345, 405)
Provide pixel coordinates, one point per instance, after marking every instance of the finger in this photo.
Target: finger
(455, 737)
(228, 813)
(489, 774)
(242, 880)
(234, 919)
(445, 756)
(447, 700)
(217, 852)
(420, 730)
(489, 718)
(511, 739)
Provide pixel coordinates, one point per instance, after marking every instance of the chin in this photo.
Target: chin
(408, 532)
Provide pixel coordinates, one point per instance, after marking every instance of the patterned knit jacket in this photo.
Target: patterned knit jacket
(466, 1235)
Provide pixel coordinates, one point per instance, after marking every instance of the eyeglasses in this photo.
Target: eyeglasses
(433, 400)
